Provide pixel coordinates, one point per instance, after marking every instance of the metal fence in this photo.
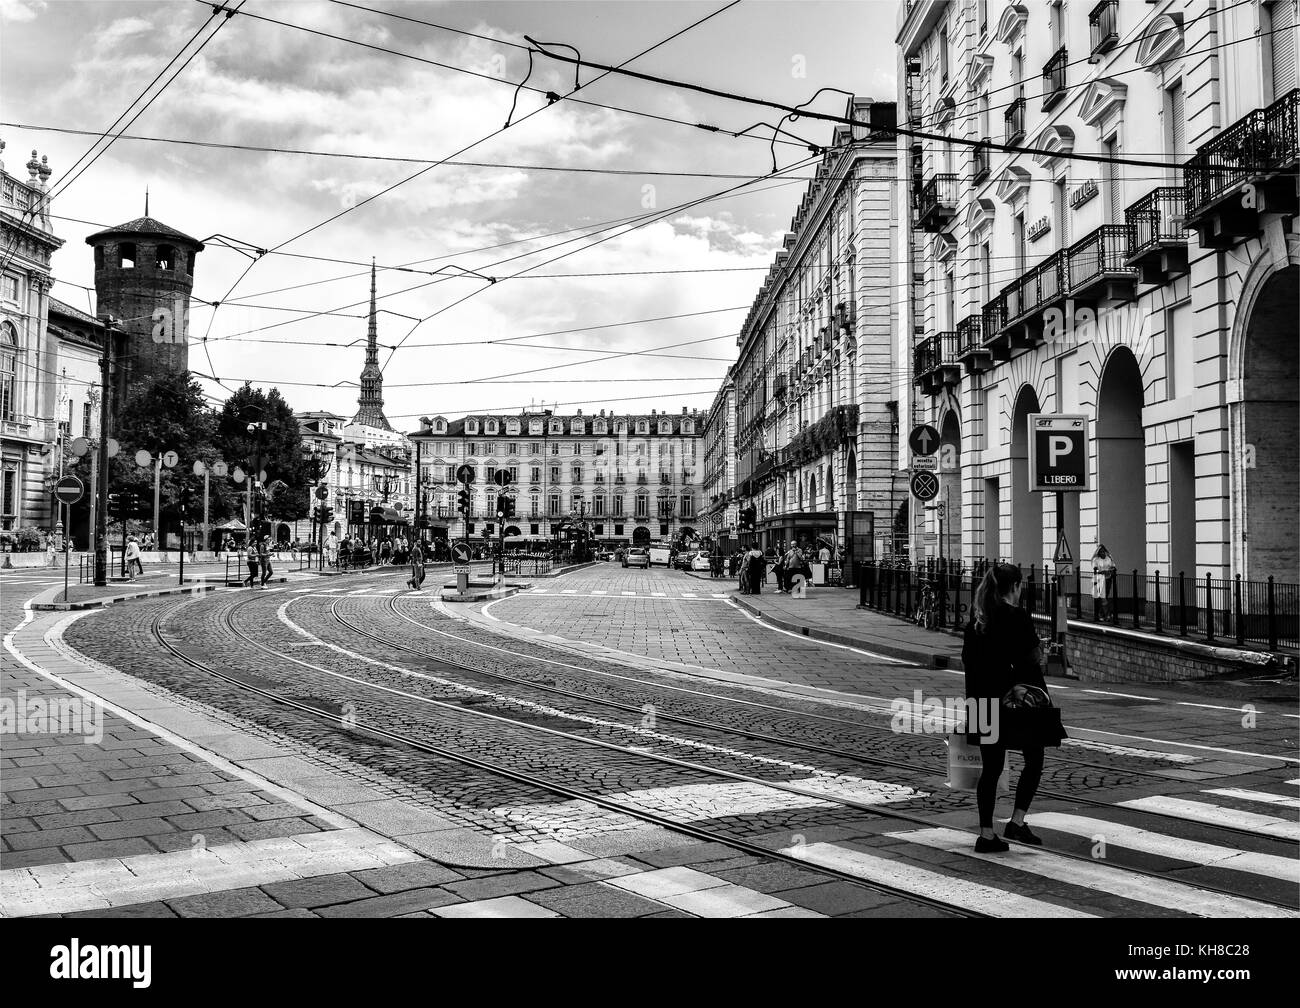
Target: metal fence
(1208, 609)
(525, 564)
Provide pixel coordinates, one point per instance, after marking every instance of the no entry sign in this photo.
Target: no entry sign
(1058, 453)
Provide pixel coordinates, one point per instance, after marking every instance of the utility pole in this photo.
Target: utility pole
(101, 509)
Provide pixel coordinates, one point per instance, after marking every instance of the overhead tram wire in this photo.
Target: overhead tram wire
(470, 146)
(798, 112)
(74, 173)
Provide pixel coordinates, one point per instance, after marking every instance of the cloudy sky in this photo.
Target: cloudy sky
(76, 66)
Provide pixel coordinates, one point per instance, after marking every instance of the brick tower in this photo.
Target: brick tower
(144, 273)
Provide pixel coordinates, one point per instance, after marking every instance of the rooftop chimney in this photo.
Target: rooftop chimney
(580, 411)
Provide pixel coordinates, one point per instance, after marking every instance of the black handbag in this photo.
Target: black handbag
(1029, 719)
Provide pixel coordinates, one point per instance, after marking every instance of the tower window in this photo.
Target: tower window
(126, 255)
(165, 258)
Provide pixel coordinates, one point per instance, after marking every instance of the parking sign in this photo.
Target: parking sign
(1058, 453)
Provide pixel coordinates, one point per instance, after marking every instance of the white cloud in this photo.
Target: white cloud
(21, 10)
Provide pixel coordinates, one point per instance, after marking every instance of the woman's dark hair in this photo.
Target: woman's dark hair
(999, 580)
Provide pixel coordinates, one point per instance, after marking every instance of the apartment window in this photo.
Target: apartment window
(9, 491)
(9, 289)
(535, 448)
(577, 474)
(85, 419)
(514, 474)
(643, 507)
(8, 371)
(554, 504)
(986, 273)
(472, 448)
(1176, 129)
(1282, 45)
(984, 117)
(537, 474)
(512, 448)
(618, 506)
(451, 474)
(943, 57)
(983, 6)
(491, 474)
(688, 507)
(598, 506)
(555, 449)
(555, 474)
(1062, 215)
(577, 447)
(1114, 183)
(665, 478)
(534, 505)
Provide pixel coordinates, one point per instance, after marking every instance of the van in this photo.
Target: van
(660, 555)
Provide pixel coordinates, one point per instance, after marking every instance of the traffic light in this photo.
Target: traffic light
(462, 498)
(748, 519)
(505, 507)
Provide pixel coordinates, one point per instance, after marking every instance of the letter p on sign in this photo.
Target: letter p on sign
(1058, 453)
(1057, 446)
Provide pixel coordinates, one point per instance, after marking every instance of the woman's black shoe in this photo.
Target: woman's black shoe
(990, 845)
(1021, 834)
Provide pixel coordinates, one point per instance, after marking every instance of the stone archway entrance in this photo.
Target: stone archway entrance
(1026, 506)
(641, 536)
(1121, 463)
(1271, 430)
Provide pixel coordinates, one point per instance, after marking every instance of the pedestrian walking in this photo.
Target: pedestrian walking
(252, 565)
(1002, 657)
(417, 568)
(332, 549)
(781, 571)
(264, 558)
(133, 564)
(757, 566)
(1103, 583)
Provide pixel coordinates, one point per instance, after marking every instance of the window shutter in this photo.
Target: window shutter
(1283, 17)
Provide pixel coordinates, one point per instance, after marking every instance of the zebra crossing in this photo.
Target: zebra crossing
(1111, 871)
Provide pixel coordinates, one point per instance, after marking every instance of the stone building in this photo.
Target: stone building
(814, 412)
(719, 512)
(28, 389)
(632, 478)
(144, 276)
(1152, 289)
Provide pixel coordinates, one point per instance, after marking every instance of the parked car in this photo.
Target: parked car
(637, 557)
(701, 562)
(682, 560)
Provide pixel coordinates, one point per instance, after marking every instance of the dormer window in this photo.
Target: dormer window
(471, 426)
(598, 427)
(491, 426)
(577, 427)
(620, 427)
(688, 427)
(642, 427)
(665, 427)
(440, 426)
(512, 426)
(557, 427)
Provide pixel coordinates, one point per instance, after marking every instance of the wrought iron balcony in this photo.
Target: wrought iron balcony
(970, 344)
(935, 364)
(1158, 246)
(1097, 265)
(1054, 78)
(1104, 25)
(979, 160)
(938, 203)
(779, 385)
(1260, 151)
(1015, 121)
(1024, 304)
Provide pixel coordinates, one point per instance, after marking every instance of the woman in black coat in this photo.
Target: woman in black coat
(1002, 651)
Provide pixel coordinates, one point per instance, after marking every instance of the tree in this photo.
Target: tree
(278, 447)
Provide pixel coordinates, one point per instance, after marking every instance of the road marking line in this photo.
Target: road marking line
(1185, 745)
(1100, 877)
(958, 890)
(1215, 815)
(626, 593)
(1256, 796)
(814, 640)
(1127, 696)
(1148, 842)
(1234, 710)
(600, 593)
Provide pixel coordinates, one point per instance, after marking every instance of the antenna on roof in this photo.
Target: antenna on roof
(146, 200)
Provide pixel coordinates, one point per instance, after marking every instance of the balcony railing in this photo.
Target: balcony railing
(779, 385)
(1101, 256)
(934, 362)
(925, 357)
(1157, 219)
(1015, 121)
(1261, 143)
(1104, 25)
(995, 316)
(970, 334)
(1054, 78)
(980, 156)
(938, 202)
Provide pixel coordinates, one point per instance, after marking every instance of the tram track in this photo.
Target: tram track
(821, 796)
(352, 723)
(856, 757)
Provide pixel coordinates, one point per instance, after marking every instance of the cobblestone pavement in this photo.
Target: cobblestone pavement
(536, 854)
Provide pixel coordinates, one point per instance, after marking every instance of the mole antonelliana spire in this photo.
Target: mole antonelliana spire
(370, 403)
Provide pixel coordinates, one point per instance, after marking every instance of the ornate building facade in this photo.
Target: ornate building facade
(1151, 287)
(632, 479)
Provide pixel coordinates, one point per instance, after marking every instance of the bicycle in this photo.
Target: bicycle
(927, 612)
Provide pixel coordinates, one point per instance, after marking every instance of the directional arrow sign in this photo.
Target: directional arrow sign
(465, 474)
(924, 440)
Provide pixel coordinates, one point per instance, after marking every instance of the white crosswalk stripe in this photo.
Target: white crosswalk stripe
(1101, 877)
(1257, 796)
(601, 592)
(658, 595)
(1215, 815)
(1180, 849)
(629, 593)
(957, 890)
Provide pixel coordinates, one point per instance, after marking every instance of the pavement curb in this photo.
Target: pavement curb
(930, 659)
(44, 602)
